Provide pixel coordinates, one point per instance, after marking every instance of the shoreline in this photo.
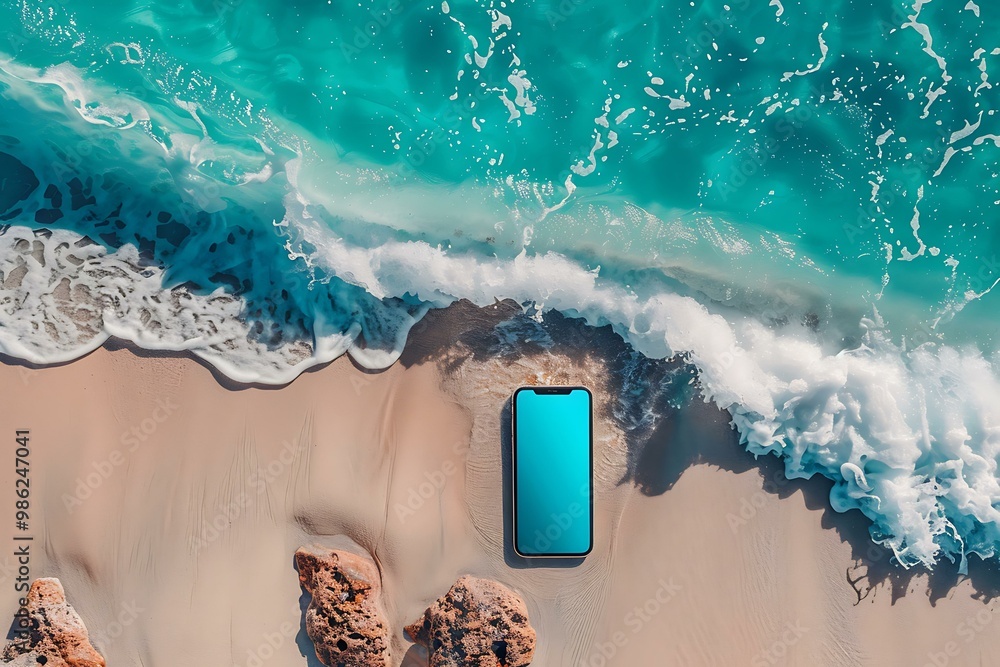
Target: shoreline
(855, 410)
(733, 559)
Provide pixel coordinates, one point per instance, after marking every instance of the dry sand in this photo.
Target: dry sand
(170, 504)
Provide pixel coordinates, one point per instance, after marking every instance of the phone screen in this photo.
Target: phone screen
(552, 471)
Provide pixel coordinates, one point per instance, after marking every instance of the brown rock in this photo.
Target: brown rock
(478, 623)
(345, 619)
(57, 636)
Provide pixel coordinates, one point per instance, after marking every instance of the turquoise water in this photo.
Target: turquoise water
(799, 198)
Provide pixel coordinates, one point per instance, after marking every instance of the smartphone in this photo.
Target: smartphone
(552, 472)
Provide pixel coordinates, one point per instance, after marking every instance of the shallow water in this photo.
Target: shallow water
(799, 199)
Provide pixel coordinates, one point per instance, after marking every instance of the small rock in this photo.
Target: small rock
(345, 619)
(478, 623)
(58, 637)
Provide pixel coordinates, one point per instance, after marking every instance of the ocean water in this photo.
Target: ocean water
(800, 198)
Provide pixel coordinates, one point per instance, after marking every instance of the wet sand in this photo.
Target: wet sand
(170, 503)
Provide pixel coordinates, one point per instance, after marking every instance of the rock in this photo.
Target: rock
(478, 623)
(345, 619)
(57, 636)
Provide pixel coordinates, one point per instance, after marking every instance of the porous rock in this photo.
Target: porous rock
(55, 635)
(345, 619)
(477, 623)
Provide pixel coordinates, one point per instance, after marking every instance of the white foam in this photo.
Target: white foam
(61, 298)
(824, 50)
(104, 107)
(906, 255)
(911, 438)
(924, 31)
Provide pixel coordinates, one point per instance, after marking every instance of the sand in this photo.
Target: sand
(170, 502)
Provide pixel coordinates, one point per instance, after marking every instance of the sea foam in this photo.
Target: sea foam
(911, 438)
(63, 295)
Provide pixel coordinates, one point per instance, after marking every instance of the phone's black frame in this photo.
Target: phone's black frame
(513, 470)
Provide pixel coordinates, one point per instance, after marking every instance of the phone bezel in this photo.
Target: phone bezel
(551, 389)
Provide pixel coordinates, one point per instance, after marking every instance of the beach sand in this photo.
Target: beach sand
(170, 503)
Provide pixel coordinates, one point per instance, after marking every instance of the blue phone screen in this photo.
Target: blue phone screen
(552, 472)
